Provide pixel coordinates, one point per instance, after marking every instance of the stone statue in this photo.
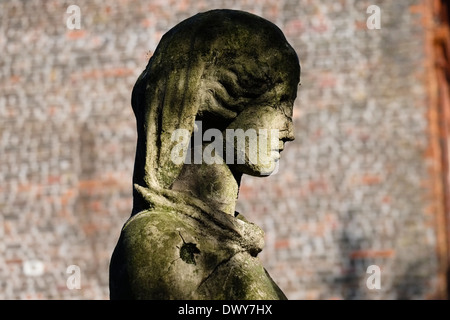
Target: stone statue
(224, 70)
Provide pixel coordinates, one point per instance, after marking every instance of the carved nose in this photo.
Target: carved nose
(289, 132)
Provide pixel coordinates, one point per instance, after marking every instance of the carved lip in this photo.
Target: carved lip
(280, 147)
(276, 154)
(277, 150)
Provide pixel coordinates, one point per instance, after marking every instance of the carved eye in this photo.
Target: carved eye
(284, 98)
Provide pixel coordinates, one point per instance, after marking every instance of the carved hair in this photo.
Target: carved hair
(210, 66)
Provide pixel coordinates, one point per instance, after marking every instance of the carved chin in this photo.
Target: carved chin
(260, 170)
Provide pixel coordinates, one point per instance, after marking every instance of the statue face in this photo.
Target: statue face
(266, 130)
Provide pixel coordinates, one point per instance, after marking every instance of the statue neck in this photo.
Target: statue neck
(214, 184)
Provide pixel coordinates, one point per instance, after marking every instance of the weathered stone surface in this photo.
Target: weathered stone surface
(67, 143)
(229, 70)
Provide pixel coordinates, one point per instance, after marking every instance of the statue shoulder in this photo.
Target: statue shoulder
(154, 229)
(157, 249)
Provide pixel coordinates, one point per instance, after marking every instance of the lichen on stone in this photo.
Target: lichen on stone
(231, 70)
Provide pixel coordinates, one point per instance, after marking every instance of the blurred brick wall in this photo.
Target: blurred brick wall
(359, 185)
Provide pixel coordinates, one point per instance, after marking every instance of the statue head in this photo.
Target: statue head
(230, 70)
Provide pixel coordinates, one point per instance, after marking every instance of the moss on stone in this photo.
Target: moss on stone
(183, 241)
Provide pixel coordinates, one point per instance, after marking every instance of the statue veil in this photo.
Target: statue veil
(219, 67)
(201, 69)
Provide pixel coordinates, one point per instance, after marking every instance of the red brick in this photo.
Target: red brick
(76, 34)
(361, 254)
(282, 244)
(14, 261)
(371, 179)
